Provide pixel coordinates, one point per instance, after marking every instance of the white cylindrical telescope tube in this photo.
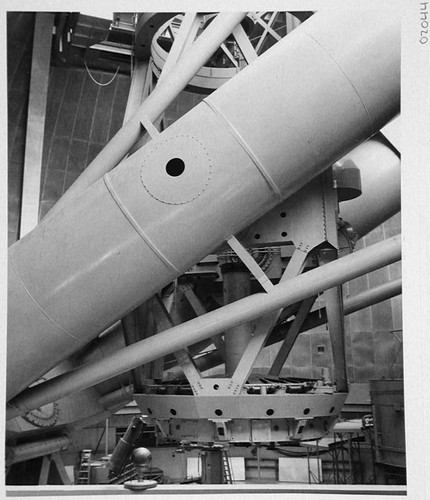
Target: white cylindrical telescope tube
(263, 135)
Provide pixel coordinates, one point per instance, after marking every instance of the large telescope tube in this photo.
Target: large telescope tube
(326, 87)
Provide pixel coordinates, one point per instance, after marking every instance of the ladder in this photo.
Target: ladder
(84, 468)
(228, 476)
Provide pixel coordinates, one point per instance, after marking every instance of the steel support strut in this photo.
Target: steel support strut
(236, 285)
(334, 309)
(32, 174)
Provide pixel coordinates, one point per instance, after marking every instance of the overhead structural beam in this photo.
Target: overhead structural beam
(39, 78)
(167, 90)
(212, 323)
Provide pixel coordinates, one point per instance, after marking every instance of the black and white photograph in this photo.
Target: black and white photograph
(215, 249)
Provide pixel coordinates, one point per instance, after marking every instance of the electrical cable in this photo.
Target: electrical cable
(99, 83)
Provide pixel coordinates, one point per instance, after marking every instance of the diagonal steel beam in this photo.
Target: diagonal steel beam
(185, 361)
(184, 39)
(293, 333)
(198, 308)
(244, 44)
(267, 30)
(139, 88)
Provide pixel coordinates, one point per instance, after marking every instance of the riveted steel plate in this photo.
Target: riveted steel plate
(243, 406)
(176, 170)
